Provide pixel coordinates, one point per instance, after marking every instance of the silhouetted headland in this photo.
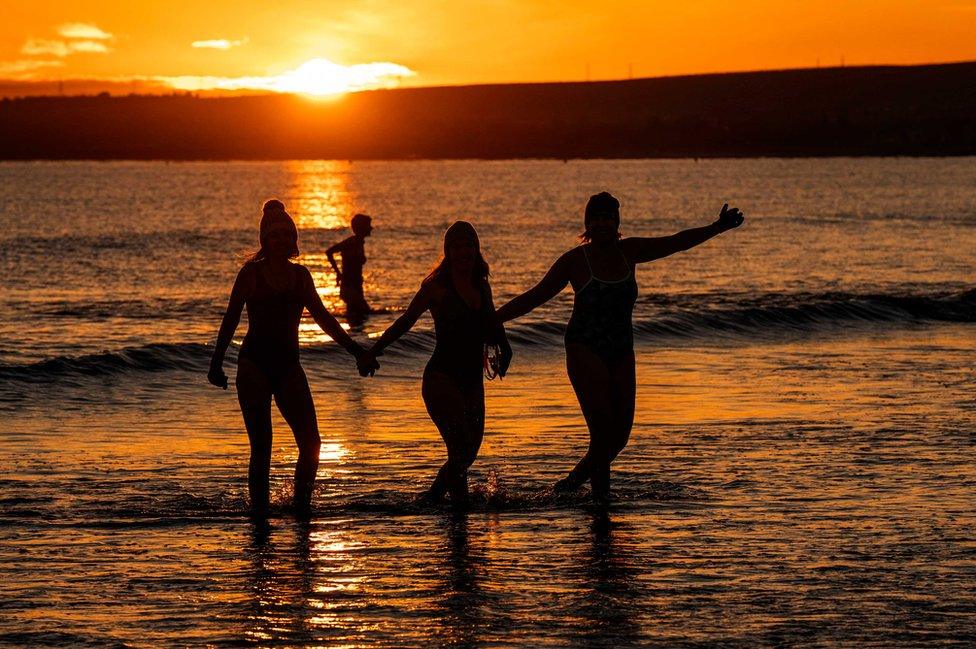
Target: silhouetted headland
(889, 110)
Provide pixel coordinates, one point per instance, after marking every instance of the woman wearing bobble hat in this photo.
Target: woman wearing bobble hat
(276, 293)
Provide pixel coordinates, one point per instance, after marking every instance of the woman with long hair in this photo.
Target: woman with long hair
(458, 295)
(276, 292)
(599, 336)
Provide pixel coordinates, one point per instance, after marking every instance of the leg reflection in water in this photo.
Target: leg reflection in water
(460, 596)
(613, 606)
(282, 584)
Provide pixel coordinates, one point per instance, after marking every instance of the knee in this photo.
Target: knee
(310, 445)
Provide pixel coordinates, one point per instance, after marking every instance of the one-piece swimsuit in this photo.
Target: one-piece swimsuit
(602, 313)
(273, 316)
(461, 333)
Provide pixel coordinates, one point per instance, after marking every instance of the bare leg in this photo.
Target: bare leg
(254, 395)
(624, 385)
(596, 391)
(294, 400)
(460, 418)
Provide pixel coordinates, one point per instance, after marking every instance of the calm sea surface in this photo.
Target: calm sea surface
(802, 470)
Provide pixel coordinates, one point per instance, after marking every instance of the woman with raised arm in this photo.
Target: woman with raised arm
(458, 295)
(599, 336)
(276, 293)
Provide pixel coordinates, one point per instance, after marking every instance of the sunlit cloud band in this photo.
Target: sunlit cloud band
(318, 77)
(17, 69)
(43, 47)
(84, 30)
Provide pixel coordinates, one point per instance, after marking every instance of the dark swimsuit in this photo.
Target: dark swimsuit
(461, 333)
(273, 315)
(602, 311)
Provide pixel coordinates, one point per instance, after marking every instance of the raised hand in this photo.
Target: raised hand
(729, 218)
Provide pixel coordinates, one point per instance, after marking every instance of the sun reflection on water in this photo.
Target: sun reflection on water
(321, 198)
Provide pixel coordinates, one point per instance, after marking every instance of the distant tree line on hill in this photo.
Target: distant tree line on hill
(915, 110)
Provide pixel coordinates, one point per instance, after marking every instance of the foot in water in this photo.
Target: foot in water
(570, 484)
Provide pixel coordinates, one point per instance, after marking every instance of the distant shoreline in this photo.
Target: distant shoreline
(881, 111)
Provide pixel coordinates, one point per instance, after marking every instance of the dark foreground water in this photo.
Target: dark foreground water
(801, 472)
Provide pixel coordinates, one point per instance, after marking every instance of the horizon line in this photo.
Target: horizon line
(164, 91)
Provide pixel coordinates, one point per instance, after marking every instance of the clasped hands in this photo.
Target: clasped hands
(366, 361)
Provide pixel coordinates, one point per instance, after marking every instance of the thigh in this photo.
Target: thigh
(474, 417)
(592, 383)
(254, 396)
(445, 404)
(624, 390)
(294, 400)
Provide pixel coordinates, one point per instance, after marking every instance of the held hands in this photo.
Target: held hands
(366, 362)
(216, 375)
(729, 218)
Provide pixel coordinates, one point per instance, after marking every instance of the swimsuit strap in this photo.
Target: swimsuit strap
(593, 276)
(588, 265)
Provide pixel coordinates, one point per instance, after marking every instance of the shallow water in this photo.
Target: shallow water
(800, 473)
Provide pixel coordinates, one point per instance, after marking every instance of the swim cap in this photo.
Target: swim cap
(603, 203)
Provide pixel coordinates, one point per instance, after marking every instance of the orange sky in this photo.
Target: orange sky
(444, 42)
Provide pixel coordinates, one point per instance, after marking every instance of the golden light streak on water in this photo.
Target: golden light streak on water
(321, 197)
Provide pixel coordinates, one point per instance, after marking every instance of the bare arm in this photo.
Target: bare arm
(228, 325)
(326, 320)
(549, 286)
(642, 249)
(419, 304)
(498, 337)
(330, 254)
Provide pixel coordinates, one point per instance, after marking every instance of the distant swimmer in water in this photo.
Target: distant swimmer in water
(458, 295)
(350, 277)
(276, 293)
(599, 336)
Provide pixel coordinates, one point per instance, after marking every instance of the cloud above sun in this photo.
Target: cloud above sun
(218, 43)
(80, 37)
(85, 31)
(76, 38)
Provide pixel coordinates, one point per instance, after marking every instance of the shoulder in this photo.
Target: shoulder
(247, 271)
(432, 288)
(629, 246)
(571, 257)
(303, 273)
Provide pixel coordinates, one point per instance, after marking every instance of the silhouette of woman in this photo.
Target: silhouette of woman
(276, 292)
(599, 336)
(350, 278)
(458, 295)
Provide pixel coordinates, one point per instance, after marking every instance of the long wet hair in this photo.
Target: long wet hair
(273, 215)
(442, 271)
(602, 203)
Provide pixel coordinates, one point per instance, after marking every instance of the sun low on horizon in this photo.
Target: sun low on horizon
(326, 49)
